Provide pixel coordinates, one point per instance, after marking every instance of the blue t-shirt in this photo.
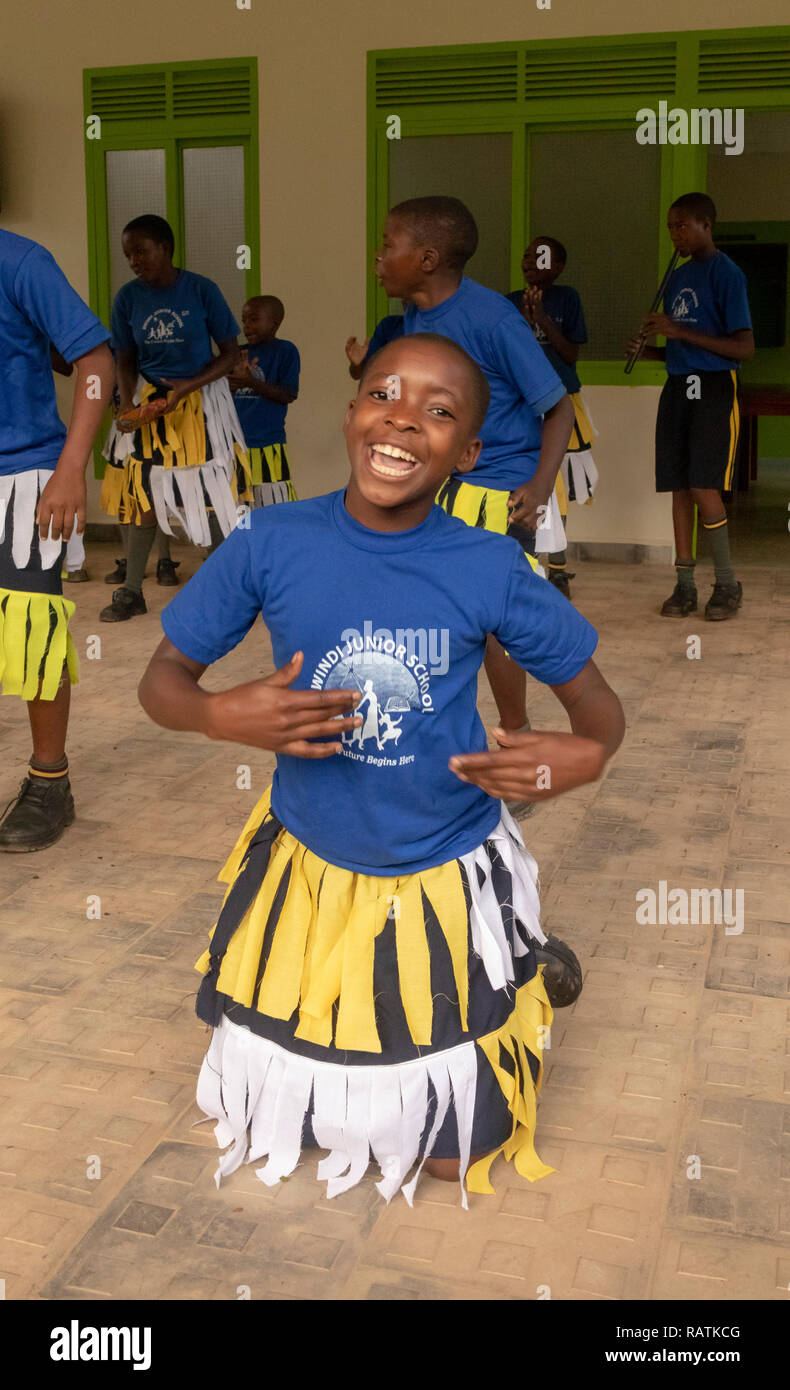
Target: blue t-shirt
(37, 306)
(523, 384)
(386, 331)
(710, 297)
(562, 304)
(402, 617)
(262, 421)
(171, 328)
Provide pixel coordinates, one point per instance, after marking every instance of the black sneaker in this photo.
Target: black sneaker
(681, 601)
(125, 604)
(724, 602)
(559, 578)
(519, 810)
(563, 974)
(166, 572)
(38, 816)
(118, 575)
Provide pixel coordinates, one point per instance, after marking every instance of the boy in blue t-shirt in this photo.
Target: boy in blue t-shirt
(425, 246)
(264, 384)
(708, 328)
(554, 313)
(42, 505)
(373, 978)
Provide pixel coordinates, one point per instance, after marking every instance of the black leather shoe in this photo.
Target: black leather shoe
(118, 575)
(681, 601)
(563, 974)
(125, 604)
(166, 572)
(724, 602)
(38, 816)
(559, 578)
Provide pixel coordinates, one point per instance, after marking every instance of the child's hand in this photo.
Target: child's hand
(61, 501)
(178, 391)
(356, 352)
(266, 714)
(532, 766)
(661, 323)
(524, 503)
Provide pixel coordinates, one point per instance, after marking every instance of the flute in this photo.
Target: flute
(659, 295)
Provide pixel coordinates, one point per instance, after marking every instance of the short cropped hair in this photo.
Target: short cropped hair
(478, 385)
(556, 246)
(698, 204)
(155, 228)
(268, 301)
(441, 222)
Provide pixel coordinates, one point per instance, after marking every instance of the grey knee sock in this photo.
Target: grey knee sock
(141, 539)
(717, 533)
(217, 536)
(162, 544)
(685, 573)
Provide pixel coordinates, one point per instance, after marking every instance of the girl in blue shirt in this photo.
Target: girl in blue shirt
(373, 980)
(181, 464)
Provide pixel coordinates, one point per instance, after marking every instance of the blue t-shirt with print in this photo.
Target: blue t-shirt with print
(402, 617)
(562, 304)
(263, 422)
(523, 383)
(710, 297)
(171, 327)
(37, 307)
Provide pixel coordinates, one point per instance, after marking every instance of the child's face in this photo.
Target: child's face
(259, 322)
(544, 275)
(687, 233)
(148, 259)
(401, 450)
(399, 262)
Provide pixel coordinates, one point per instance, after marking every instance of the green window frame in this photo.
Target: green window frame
(523, 86)
(168, 106)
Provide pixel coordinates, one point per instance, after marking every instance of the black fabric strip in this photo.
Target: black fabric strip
(209, 1003)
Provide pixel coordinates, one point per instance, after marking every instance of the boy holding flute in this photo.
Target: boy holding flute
(708, 328)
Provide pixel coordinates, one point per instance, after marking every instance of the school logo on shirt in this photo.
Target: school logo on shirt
(161, 326)
(394, 684)
(683, 304)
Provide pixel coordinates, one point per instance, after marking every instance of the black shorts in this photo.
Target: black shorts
(697, 438)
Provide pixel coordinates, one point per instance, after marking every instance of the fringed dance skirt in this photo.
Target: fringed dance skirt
(399, 1018)
(35, 641)
(578, 475)
(268, 478)
(179, 465)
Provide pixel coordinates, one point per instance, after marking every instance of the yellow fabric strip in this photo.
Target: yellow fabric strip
(323, 966)
(582, 433)
(519, 1036)
(29, 652)
(562, 496)
(714, 525)
(414, 960)
(356, 1017)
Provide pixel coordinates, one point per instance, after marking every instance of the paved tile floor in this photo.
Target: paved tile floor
(678, 1047)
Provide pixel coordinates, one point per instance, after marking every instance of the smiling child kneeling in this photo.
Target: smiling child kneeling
(372, 980)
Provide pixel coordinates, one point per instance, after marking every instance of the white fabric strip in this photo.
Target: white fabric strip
(248, 1083)
(264, 494)
(490, 937)
(584, 473)
(550, 535)
(19, 495)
